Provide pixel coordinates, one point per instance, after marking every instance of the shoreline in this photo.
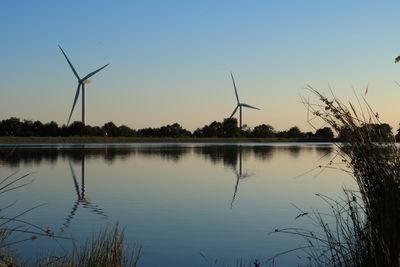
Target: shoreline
(83, 139)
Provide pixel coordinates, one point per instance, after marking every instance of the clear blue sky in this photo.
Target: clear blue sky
(170, 60)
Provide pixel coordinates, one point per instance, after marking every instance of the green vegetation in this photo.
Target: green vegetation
(96, 139)
(106, 249)
(15, 127)
(363, 229)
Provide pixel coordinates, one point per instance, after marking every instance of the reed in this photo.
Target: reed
(15, 226)
(363, 229)
(105, 249)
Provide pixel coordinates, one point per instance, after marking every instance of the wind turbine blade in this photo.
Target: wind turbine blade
(248, 106)
(236, 189)
(70, 216)
(75, 181)
(234, 111)
(93, 73)
(73, 105)
(70, 64)
(234, 86)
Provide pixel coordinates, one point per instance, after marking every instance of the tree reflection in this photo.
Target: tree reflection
(227, 154)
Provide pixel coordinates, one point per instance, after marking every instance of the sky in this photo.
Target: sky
(170, 60)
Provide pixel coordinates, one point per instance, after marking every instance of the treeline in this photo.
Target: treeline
(228, 128)
(17, 127)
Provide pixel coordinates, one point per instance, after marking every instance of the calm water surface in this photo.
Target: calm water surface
(178, 201)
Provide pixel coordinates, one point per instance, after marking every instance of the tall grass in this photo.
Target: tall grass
(14, 229)
(107, 249)
(364, 227)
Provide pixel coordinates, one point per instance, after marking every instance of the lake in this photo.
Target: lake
(184, 204)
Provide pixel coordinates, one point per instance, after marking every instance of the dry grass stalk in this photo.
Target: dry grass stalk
(107, 249)
(365, 229)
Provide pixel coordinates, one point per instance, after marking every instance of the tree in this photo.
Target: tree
(75, 128)
(382, 132)
(377, 132)
(126, 131)
(93, 131)
(11, 127)
(146, 132)
(308, 134)
(230, 127)
(294, 132)
(37, 128)
(398, 135)
(325, 132)
(263, 130)
(246, 131)
(215, 129)
(50, 129)
(174, 130)
(110, 129)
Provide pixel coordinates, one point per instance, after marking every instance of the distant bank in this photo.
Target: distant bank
(83, 139)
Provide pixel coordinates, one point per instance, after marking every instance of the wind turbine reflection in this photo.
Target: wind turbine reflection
(240, 175)
(82, 200)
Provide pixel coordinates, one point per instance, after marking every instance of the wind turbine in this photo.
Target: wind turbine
(81, 198)
(239, 176)
(81, 83)
(239, 105)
